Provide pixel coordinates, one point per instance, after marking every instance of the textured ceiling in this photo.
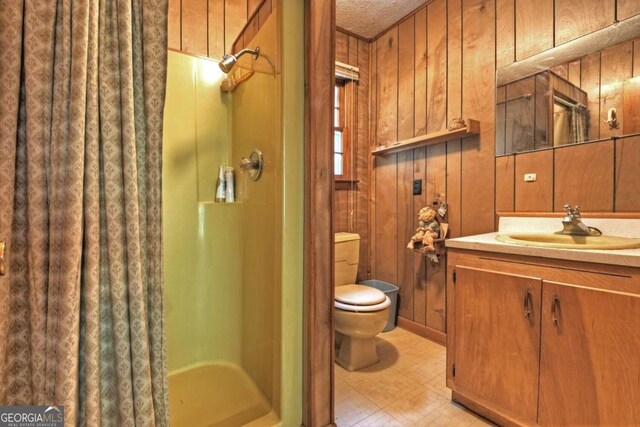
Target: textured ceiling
(368, 18)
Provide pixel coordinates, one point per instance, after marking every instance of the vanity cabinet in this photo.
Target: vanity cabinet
(535, 341)
(491, 364)
(590, 356)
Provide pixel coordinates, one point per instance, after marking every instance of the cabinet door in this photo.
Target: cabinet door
(497, 339)
(590, 357)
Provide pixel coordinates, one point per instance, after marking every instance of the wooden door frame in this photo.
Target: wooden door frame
(318, 348)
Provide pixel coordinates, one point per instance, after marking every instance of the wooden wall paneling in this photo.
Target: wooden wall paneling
(436, 294)
(590, 83)
(235, 16)
(420, 73)
(216, 28)
(342, 47)
(627, 172)
(194, 25)
(252, 5)
(505, 27)
(574, 72)
(575, 18)
(454, 59)
(362, 159)
(353, 51)
(405, 211)
(386, 233)
(615, 68)
(534, 27)
(373, 138)
(386, 226)
(436, 184)
(406, 64)
(590, 186)
(174, 25)
(265, 11)
(562, 70)
(534, 196)
(627, 9)
(318, 341)
(454, 187)
(478, 86)
(436, 187)
(250, 30)
(419, 264)
(454, 109)
(406, 226)
(353, 125)
(387, 91)
(437, 60)
(341, 210)
(631, 106)
(505, 183)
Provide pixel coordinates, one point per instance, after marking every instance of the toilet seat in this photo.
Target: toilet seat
(360, 298)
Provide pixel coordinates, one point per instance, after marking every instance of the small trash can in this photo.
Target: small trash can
(392, 292)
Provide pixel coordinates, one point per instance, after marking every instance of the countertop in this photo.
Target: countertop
(613, 227)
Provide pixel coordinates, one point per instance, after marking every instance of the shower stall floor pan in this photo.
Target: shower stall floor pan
(217, 395)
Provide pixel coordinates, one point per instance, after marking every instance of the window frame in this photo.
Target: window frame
(345, 107)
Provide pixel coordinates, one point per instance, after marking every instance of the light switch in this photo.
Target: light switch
(529, 177)
(417, 187)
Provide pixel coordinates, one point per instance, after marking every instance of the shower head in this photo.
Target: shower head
(228, 61)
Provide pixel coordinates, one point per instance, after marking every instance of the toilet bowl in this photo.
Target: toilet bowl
(361, 312)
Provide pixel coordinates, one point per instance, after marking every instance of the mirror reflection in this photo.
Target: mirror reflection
(591, 98)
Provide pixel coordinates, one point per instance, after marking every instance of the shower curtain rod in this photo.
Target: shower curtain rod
(566, 103)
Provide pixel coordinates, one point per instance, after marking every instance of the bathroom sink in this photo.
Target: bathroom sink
(564, 241)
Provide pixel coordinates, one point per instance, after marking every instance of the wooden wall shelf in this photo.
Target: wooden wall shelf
(472, 129)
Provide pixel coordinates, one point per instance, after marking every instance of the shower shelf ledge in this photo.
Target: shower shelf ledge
(471, 129)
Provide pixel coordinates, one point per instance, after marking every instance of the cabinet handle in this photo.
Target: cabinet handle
(555, 303)
(528, 304)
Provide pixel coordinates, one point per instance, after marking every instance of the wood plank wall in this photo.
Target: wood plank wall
(421, 72)
(351, 201)
(261, 11)
(528, 27)
(210, 27)
(438, 64)
(598, 176)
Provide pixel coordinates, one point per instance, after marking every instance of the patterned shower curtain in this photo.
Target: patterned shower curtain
(82, 85)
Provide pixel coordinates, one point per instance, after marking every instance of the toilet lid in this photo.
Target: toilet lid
(363, 308)
(359, 295)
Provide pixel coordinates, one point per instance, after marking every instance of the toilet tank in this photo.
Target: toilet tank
(346, 258)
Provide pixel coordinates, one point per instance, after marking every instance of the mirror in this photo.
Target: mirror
(557, 98)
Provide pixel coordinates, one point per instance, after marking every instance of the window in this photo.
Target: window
(342, 153)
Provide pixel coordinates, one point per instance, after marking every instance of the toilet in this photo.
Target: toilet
(361, 312)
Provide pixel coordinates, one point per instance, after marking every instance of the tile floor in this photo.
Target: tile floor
(406, 388)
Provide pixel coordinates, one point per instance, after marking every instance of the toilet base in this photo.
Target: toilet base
(356, 353)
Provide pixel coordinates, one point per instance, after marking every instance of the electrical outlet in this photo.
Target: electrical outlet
(417, 187)
(529, 177)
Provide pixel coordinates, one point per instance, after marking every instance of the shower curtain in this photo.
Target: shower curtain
(82, 86)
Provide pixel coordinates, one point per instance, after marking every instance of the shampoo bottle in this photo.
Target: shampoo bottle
(220, 191)
(229, 190)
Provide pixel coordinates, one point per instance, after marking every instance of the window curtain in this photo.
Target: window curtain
(82, 85)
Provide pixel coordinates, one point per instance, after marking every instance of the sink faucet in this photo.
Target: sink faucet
(573, 224)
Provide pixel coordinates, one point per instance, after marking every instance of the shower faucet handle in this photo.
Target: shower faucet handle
(253, 164)
(246, 164)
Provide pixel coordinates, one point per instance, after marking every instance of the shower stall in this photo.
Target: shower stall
(233, 271)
